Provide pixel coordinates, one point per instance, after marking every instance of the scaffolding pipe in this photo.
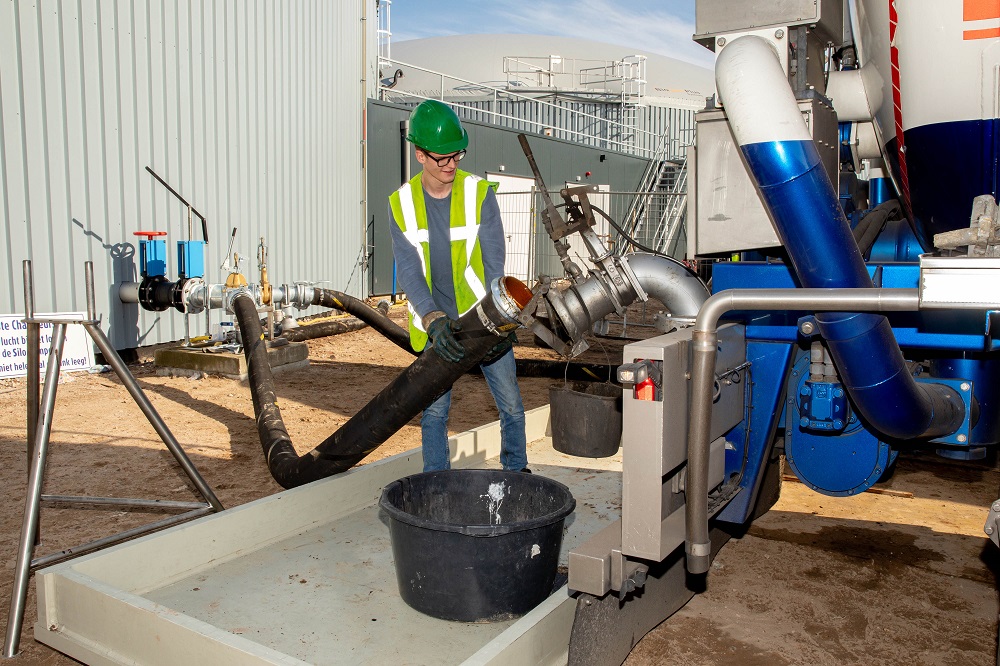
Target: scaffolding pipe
(36, 472)
(427, 378)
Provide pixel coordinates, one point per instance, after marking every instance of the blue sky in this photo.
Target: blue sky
(655, 26)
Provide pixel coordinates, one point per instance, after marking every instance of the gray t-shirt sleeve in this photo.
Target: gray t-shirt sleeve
(492, 243)
(409, 275)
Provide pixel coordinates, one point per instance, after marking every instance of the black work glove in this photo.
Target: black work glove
(500, 348)
(441, 330)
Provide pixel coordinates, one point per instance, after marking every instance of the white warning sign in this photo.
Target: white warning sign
(78, 351)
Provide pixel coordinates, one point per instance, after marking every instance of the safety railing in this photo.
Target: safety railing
(559, 119)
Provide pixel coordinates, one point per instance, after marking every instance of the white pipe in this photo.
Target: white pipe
(868, 144)
(856, 93)
(767, 110)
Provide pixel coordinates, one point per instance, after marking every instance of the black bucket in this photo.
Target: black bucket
(476, 545)
(586, 418)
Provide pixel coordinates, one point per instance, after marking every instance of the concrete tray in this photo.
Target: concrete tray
(306, 577)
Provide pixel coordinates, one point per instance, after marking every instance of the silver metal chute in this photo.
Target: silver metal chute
(670, 282)
(579, 306)
(562, 316)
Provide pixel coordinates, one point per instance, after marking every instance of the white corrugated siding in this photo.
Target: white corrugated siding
(252, 110)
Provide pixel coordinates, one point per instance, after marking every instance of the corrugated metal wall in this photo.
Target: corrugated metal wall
(252, 110)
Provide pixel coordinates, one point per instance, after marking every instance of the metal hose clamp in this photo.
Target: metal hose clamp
(505, 304)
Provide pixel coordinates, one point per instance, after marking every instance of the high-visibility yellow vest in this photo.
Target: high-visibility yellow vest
(467, 195)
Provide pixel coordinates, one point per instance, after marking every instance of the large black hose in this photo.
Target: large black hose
(871, 225)
(323, 329)
(330, 298)
(561, 370)
(427, 378)
(526, 367)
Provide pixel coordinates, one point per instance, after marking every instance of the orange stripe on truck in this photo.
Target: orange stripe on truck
(977, 10)
(981, 34)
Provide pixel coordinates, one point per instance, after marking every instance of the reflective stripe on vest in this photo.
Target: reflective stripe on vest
(468, 274)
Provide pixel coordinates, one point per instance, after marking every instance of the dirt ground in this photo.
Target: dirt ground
(905, 577)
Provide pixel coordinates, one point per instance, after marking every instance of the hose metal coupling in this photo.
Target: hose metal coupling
(299, 295)
(230, 295)
(499, 313)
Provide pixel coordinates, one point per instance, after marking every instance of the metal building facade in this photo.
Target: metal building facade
(251, 110)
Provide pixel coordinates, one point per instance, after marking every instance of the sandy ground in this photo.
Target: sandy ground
(875, 579)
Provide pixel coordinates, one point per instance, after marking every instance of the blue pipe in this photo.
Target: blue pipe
(812, 227)
(879, 191)
(805, 208)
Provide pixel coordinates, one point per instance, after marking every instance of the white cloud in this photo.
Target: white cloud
(644, 26)
(654, 26)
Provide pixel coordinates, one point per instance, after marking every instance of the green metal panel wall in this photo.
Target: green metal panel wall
(491, 149)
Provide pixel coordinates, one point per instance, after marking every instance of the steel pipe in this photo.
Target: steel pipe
(705, 337)
(670, 282)
(33, 351)
(36, 472)
(114, 360)
(148, 504)
(667, 280)
(121, 537)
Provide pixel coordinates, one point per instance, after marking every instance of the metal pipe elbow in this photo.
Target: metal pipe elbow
(670, 282)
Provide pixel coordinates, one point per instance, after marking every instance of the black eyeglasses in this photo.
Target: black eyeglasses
(443, 161)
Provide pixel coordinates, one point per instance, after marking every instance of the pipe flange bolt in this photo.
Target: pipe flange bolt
(194, 295)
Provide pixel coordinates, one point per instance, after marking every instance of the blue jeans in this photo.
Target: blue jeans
(501, 377)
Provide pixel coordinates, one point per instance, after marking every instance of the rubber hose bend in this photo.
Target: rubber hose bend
(526, 367)
(331, 298)
(420, 384)
(323, 329)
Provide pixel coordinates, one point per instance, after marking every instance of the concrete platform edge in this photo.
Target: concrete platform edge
(90, 608)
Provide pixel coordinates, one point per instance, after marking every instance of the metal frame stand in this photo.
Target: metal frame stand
(39, 429)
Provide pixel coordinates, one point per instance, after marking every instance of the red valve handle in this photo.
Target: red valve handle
(150, 235)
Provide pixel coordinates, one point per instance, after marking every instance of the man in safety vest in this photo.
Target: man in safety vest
(448, 241)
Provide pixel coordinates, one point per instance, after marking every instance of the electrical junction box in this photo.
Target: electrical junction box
(654, 439)
(725, 212)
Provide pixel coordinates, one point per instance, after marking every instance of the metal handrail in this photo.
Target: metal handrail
(647, 187)
(498, 93)
(673, 214)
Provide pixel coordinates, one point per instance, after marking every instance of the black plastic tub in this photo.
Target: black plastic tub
(476, 545)
(586, 419)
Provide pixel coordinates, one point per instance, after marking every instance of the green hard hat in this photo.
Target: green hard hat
(435, 128)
